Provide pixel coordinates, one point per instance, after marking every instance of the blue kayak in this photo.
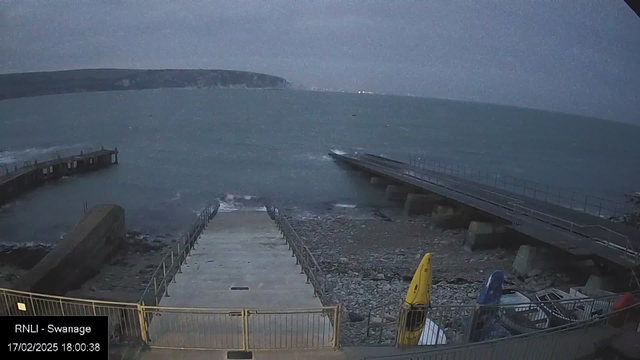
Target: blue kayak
(484, 320)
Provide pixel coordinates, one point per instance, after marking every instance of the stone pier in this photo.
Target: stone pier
(16, 181)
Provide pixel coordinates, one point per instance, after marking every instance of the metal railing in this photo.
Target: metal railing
(314, 273)
(453, 173)
(382, 322)
(172, 261)
(124, 318)
(458, 324)
(242, 329)
(555, 195)
(571, 341)
(611, 239)
(446, 182)
(7, 169)
(190, 328)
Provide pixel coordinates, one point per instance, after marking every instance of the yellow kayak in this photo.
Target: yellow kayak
(413, 312)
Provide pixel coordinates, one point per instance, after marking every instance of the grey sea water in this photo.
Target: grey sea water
(182, 148)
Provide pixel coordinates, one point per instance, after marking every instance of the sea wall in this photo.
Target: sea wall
(80, 255)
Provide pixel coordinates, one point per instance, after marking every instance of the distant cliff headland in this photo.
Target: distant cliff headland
(73, 81)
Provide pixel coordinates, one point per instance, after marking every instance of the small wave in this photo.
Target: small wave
(8, 157)
(177, 197)
(314, 157)
(339, 152)
(13, 246)
(232, 197)
(348, 206)
(232, 202)
(227, 207)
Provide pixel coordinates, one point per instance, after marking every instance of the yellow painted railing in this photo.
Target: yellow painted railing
(191, 328)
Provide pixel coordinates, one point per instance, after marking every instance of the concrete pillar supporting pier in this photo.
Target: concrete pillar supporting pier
(420, 203)
(396, 193)
(531, 258)
(601, 282)
(380, 181)
(449, 217)
(483, 235)
(526, 259)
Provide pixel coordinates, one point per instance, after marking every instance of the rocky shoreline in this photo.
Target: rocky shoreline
(370, 262)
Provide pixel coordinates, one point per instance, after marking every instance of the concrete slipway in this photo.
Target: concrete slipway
(241, 263)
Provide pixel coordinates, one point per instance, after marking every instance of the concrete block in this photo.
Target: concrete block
(443, 210)
(484, 235)
(530, 258)
(600, 282)
(480, 227)
(523, 263)
(420, 203)
(449, 217)
(396, 193)
(80, 255)
(583, 292)
(381, 181)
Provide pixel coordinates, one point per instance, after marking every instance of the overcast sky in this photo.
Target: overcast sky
(577, 56)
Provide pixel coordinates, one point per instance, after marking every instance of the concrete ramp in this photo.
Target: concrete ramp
(242, 267)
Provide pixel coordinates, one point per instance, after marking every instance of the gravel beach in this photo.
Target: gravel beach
(370, 262)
